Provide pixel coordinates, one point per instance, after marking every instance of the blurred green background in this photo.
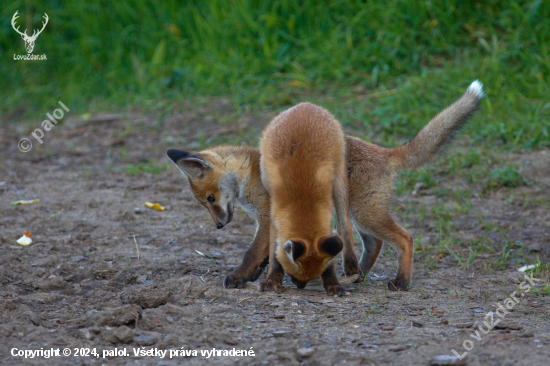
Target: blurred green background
(388, 64)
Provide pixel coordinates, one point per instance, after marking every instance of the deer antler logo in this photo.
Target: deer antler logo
(29, 41)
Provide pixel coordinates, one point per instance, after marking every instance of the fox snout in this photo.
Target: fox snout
(222, 217)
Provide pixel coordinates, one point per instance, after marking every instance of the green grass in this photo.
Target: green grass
(383, 67)
(147, 167)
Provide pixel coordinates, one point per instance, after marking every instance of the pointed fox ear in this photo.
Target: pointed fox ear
(192, 165)
(296, 248)
(331, 245)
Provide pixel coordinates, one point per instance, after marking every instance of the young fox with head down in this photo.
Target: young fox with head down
(221, 176)
(303, 168)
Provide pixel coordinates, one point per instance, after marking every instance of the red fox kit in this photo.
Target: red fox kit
(303, 169)
(234, 174)
(221, 177)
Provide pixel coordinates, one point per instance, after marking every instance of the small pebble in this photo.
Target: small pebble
(446, 360)
(305, 352)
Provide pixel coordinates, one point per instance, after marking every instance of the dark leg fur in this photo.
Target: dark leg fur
(251, 266)
(343, 225)
(371, 250)
(276, 273)
(330, 282)
(260, 269)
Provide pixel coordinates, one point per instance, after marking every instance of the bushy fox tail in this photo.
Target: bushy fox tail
(439, 131)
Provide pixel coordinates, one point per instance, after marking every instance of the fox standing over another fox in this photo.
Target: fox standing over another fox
(303, 167)
(223, 175)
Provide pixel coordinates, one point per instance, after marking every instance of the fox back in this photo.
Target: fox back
(302, 151)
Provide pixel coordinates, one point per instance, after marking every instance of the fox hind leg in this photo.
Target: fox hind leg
(402, 241)
(384, 228)
(371, 250)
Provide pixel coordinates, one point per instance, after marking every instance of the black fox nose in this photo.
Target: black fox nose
(219, 225)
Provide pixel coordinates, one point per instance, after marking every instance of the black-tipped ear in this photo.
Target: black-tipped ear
(331, 245)
(297, 248)
(192, 165)
(175, 154)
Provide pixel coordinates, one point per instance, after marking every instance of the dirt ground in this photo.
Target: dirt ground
(104, 272)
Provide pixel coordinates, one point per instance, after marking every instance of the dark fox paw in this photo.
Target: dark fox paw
(335, 290)
(271, 285)
(234, 281)
(398, 285)
(353, 268)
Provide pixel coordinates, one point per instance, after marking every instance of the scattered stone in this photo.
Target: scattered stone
(93, 203)
(287, 359)
(417, 307)
(147, 296)
(113, 317)
(478, 310)
(536, 246)
(77, 258)
(146, 338)
(57, 282)
(417, 324)
(508, 325)
(305, 352)
(280, 333)
(462, 322)
(121, 334)
(34, 318)
(446, 360)
(388, 327)
(444, 322)
(9, 305)
(141, 279)
(169, 319)
(279, 316)
(399, 348)
(86, 334)
(170, 341)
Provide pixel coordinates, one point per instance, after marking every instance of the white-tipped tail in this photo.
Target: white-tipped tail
(477, 88)
(440, 130)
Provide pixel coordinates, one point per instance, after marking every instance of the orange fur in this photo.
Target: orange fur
(369, 185)
(303, 165)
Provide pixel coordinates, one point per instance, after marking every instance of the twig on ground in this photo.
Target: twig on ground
(137, 248)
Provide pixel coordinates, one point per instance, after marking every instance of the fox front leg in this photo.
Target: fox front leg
(253, 260)
(260, 269)
(343, 225)
(276, 273)
(330, 281)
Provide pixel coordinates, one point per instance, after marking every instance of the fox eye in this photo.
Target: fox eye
(211, 198)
